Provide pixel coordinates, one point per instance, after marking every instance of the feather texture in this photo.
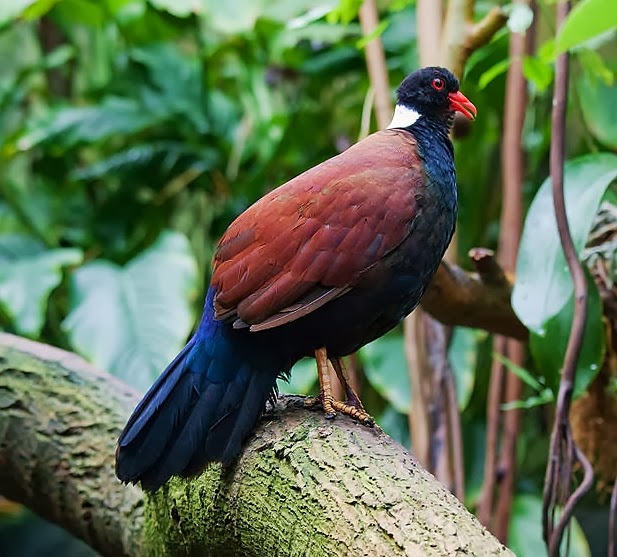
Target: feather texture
(319, 231)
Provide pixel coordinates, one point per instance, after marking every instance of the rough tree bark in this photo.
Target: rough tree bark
(303, 486)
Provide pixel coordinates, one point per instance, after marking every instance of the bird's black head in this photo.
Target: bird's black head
(431, 92)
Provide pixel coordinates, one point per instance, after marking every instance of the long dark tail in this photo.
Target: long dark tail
(202, 407)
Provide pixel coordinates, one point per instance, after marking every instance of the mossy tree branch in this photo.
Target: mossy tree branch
(303, 486)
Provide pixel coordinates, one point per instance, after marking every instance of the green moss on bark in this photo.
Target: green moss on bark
(303, 486)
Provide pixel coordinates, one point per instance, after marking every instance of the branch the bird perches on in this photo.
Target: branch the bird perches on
(302, 485)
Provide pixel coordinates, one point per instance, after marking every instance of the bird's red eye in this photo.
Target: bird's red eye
(438, 83)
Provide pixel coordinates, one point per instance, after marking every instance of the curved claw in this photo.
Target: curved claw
(352, 407)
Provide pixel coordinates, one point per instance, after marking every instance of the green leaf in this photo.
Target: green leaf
(520, 372)
(132, 320)
(377, 32)
(595, 66)
(232, 16)
(463, 357)
(345, 11)
(598, 101)
(177, 83)
(548, 350)
(126, 11)
(302, 380)
(70, 126)
(28, 273)
(386, 369)
(11, 10)
(544, 397)
(543, 284)
(179, 8)
(395, 424)
(538, 72)
(525, 532)
(587, 19)
(82, 12)
(493, 72)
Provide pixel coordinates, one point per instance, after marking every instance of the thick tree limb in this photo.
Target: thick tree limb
(303, 485)
(480, 300)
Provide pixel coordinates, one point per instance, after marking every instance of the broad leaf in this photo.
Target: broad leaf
(598, 104)
(11, 10)
(395, 424)
(538, 71)
(494, 71)
(125, 11)
(587, 20)
(525, 532)
(70, 126)
(302, 380)
(28, 273)
(543, 284)
(386, 369)
(132, 320)
(463, 356)
(179, 8)
(549, 349)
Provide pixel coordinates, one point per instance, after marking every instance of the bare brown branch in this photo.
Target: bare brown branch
(482, 31)
(456, 297)
(461, 36)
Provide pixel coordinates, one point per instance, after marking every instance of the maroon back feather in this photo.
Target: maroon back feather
(308, 241)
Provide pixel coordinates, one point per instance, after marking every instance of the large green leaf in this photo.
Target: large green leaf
(69, 126)
(386, 369)
(549, 349)
(587, 20)
(28, 273)
(543, 284)
(179, 8)
(463, 357)
(599, 107)
(177, 87)
(132, 320)
(15, 9)
(525, 533)
(302, 380)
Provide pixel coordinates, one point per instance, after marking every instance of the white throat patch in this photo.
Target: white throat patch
(403, 117)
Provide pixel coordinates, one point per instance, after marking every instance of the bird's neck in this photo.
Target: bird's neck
(435, 149)
(432, 133)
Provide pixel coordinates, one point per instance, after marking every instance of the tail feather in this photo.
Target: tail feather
(181, 448)
(224, 439)
(201, 408)
(155, 396)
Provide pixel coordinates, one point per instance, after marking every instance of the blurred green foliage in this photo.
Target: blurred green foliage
(132, 132)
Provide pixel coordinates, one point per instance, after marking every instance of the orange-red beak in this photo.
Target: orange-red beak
(460, 103)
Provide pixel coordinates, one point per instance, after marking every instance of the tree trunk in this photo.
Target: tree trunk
(303, 486)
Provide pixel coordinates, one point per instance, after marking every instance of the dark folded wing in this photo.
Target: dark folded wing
(307, 242)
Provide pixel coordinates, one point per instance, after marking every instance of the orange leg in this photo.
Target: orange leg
(325, 398)
(352, 406)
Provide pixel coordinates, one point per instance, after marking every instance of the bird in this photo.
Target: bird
(318, 267)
